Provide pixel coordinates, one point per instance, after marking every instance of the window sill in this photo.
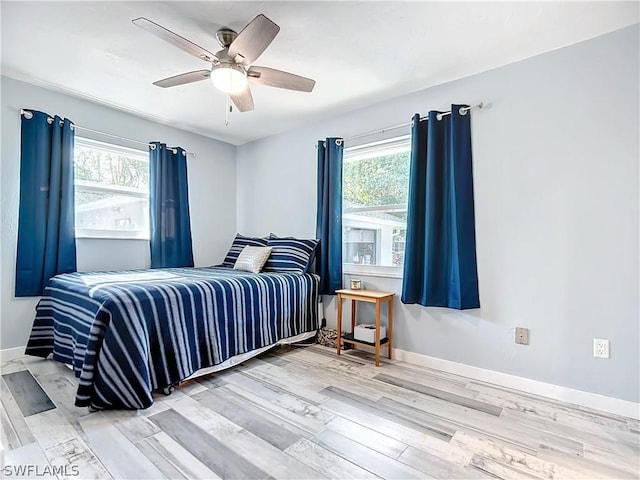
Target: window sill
(371, 270)
(110, 235)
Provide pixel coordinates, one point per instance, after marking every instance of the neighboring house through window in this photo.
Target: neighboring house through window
(375, 187)
(111, 191)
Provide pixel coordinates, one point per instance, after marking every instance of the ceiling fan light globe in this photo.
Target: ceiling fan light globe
(229, 79)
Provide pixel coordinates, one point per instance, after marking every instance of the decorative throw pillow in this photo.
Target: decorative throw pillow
(290, 255)
(251, 259)
(238, 244)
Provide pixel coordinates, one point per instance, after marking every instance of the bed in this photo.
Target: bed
(127, 334)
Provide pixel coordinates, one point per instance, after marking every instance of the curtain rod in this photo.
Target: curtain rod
(463, 111)
(28, 114)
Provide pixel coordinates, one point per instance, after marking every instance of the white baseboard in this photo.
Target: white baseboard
(556, 392)
(9, 354)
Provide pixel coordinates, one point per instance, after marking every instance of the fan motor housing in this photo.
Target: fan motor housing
(225, 37)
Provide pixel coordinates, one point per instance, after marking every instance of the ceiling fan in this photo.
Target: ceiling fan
(231, 67)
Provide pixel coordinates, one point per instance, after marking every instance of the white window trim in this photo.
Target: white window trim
(89, 233)
(91, 143)
(379, 148)
(372, 270)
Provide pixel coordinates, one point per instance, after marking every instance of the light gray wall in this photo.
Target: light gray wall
(212, 194)
(556, 189)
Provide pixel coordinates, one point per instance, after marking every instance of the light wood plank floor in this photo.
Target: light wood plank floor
(303, 412)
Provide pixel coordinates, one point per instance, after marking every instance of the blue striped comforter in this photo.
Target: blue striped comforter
(129, 333)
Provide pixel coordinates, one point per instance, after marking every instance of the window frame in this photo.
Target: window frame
(90, 233)
(395, 144)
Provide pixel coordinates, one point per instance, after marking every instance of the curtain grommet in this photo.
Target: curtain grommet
(339, 141)
(438, 116)
(27, 114)
(152, 146)
(50, 120)
(464, 110)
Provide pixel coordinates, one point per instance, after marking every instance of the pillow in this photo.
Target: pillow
(238, 244)
(290, 255)
(251, 259)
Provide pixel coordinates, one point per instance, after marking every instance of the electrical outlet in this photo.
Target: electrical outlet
(522, 336)
(600, 348)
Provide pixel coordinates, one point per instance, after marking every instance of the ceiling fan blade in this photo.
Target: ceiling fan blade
(253, 39)
(280, 79)
(183, 78)
(175, 39)
(243, 100)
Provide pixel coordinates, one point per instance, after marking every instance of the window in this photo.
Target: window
(111, 190)
(375, 186)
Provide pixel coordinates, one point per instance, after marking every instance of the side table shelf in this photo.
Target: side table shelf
(370, 296)
(349, 338)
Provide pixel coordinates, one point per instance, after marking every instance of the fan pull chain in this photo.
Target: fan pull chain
(227, 111)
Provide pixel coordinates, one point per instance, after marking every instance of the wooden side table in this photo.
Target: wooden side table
(370, 296)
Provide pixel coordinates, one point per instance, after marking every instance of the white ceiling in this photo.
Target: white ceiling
(358, 52)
